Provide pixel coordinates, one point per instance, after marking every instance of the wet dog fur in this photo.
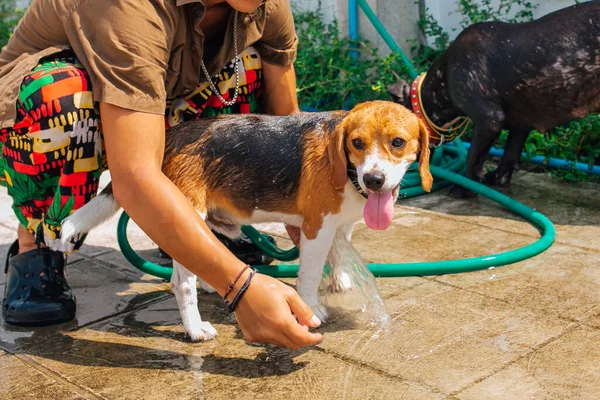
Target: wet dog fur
(307, 170)
(520, 77)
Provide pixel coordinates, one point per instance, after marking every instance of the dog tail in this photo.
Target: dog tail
(98, 210)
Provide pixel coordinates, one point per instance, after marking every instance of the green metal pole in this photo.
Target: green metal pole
(387, 37)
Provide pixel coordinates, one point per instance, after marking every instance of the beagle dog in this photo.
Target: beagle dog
(321, 172)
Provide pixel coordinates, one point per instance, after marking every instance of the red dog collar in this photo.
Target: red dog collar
(437, 135)
(415, 101)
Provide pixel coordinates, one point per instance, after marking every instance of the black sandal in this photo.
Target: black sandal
(36, 291)
(243, 248)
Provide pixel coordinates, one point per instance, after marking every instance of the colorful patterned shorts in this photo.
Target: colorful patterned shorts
(53, 156)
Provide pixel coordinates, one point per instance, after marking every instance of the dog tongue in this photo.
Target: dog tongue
(379, 211)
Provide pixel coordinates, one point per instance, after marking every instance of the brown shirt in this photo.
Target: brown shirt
(138, 53)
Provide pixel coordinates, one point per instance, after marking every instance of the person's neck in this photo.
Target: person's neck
(212, 3)
(215, 18)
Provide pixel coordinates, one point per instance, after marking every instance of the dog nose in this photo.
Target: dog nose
(374, 181)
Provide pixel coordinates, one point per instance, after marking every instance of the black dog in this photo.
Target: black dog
(520, 77)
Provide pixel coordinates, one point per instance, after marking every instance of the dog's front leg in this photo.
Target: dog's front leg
(347, 230)
(341, 280)
(486, 128)
(183, 285)
(510, 160)
(313, 255)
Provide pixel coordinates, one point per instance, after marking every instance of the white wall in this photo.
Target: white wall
(329, 8)
(444, 11)
(400, 16)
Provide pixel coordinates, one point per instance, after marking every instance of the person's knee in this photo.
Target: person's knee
(64, 98)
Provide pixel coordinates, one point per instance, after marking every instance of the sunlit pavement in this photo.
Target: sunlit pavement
(525, 331)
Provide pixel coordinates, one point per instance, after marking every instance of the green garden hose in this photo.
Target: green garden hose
(446, 165)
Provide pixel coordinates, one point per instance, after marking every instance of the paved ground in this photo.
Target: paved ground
(526, 331)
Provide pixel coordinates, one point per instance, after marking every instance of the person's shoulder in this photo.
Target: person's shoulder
(277, 3)
(142, 17)
(66, 7)
(132, 9)
(277, 8)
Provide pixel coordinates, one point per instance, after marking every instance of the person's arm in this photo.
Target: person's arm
(279, 89)
(134, 144)
(278, 49)
(280, 98)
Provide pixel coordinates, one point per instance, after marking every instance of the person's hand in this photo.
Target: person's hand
(264, 315)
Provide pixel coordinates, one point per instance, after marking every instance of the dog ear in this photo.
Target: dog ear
(426, 178)
(400, 93)
(336, 153)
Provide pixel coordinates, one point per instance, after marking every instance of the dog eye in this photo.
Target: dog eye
(358, 144)
(398, 143)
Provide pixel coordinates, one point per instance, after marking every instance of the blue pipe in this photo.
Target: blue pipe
(353, 19)
(551, 162)
(353, 6)
(353, 24)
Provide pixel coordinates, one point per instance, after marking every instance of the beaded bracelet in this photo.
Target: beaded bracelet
(232, 284)
(231, 306)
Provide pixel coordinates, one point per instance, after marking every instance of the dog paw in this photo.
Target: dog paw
(68, 231)
(203, 332)
(342, 283)
(69, 236)
(497, 178)
(320, 311)
(206, 287)
(458, 192)
(63, 245)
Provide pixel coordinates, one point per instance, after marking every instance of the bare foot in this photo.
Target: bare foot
(26, 240)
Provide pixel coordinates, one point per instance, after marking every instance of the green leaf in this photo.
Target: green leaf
(54, 210)
(67, 208)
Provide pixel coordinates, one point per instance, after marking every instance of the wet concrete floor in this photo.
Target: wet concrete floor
(530, 330)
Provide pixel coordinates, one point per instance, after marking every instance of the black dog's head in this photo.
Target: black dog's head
(400, 93)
